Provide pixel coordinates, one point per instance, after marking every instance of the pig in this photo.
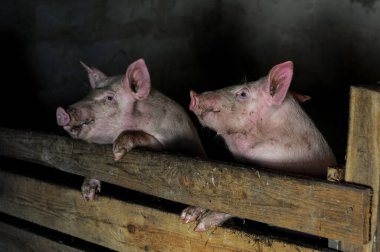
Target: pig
(128, 112)
(262, 124)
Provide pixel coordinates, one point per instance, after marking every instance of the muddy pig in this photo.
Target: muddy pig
(127, 112)
(262, 124)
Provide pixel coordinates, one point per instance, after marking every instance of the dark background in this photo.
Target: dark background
(200, 45)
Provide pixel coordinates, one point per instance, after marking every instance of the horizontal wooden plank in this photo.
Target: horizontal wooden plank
(18, 240)
(336, 211)
(119, 225)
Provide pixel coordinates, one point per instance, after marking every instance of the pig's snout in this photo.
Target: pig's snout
(63, 118)
(194, 101)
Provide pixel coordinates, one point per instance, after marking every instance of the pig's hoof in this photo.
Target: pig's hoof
(89, 188)
(211, 220)
(121, 145)
(118, 155)
(192, 213)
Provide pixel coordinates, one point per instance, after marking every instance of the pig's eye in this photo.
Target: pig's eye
(242, 94)
(109, 97)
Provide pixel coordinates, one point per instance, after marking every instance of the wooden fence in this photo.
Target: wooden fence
(341, 211)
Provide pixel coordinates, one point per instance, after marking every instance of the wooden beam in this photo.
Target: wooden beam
(363, 159)
(335, 211)
(119, 225)
(16, 239)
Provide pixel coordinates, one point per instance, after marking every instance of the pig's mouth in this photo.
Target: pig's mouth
(71, 121)
(76, 128)
(208, 110)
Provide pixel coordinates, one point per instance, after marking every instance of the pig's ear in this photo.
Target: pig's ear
(301, 98)
(278, 82)
(137, 79)
(94, 75)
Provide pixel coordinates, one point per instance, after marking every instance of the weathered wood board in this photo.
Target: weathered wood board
(363, 159)
(18, 240)
(119, 225)
(336, 211)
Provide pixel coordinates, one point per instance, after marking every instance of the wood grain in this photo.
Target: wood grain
(119, 225)
(331, 210)
(18, 240)
(363, 159)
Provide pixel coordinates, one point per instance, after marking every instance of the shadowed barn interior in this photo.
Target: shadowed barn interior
(187, 45)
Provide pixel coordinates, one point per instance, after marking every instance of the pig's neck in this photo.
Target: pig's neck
(241, 142)
(282, 138)
(165, 120)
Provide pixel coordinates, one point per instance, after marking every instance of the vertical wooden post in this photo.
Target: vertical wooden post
(363, 157)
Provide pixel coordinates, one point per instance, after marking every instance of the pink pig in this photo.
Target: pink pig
(126, 111)
(262, 124)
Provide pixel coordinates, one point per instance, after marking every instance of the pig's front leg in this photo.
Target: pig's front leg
(128, 140)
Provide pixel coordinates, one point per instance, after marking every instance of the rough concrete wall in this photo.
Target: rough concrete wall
(197, 44)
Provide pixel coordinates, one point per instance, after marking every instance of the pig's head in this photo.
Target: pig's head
(236, 108)
(100, 116)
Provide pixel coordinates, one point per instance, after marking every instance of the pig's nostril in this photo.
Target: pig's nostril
(63, 117)
(193, 102)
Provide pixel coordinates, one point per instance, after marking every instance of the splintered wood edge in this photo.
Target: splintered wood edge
(335, 174)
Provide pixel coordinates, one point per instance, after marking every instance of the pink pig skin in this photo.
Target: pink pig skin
(262, 124)
(127, 112)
